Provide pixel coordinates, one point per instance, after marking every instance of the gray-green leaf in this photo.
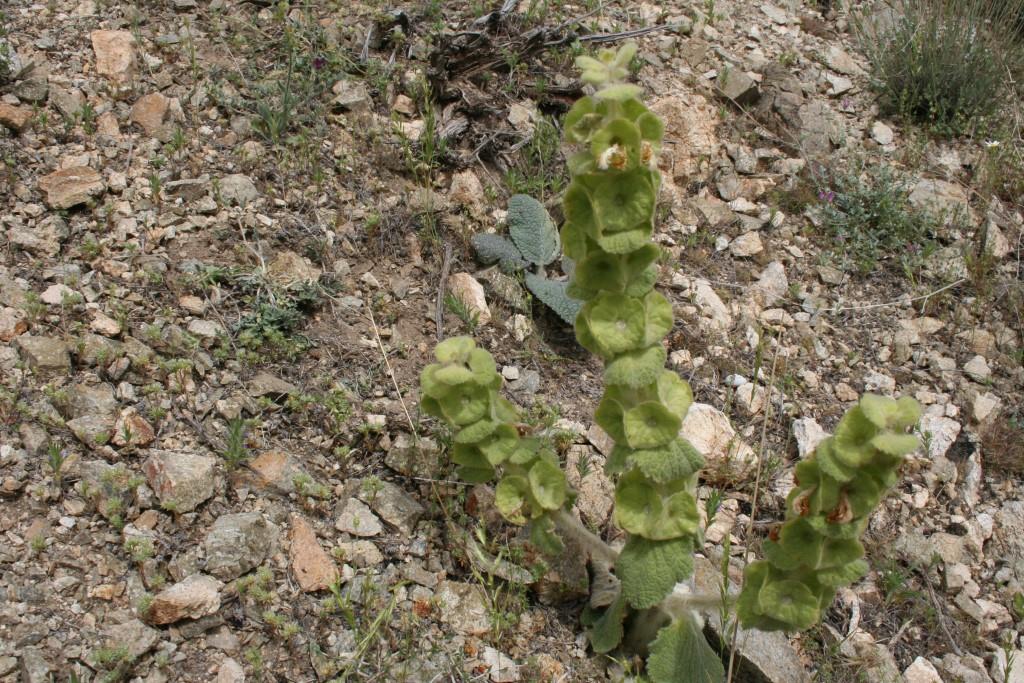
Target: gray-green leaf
(496, 249)
(532, 229)
(553, 294)
(650, 569)
(681, 653)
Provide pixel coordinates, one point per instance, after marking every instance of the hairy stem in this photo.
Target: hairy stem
(570, 526)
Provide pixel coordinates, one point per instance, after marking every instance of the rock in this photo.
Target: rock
(750, 398)
(149, 112)
(131, 428)
(463, 607)
(964, 669)
(357, 519)
(470, 292)
(692, 122)
(585, 472)
(230, 671)
(237, 543)
(776, 14)
(808, 434)
(914, 545)
(467, 191)
(102, 323)
(838, 84)
(820, 129)
(238, 189)
(265, 384)
(359, 554)
(44, 353)
(59, 295)
(393, 504)
(15, 118)
(351, 95)
(45, 239)
(939, 196)
(501, 668)
(181, 481)
(136, 636)
(767, 656)
(985, 407)
(996, 243)
(737, 86)
(771, 286)
(714, 312)
(881, 133)
(289, 269)
(942, 433)
(12, 323)
(840, 61)
(276, 468)
(878, 663)
(115, 54)
(999, 671)
(34, 667)
(70, 186)
(414, 458)
(708, 429)
(977, 369)
(195, 596)
(747, 244)
(313, 568)
(521, 327)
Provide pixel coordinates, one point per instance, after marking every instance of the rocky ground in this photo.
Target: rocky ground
(224, 230)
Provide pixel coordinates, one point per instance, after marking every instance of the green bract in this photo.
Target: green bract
(462, 389)
(816, 550)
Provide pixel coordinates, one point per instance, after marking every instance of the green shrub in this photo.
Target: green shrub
(946, 64)
(868, 216)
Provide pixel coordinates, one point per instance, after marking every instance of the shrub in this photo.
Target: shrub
(635, 607)
(944, 63)
(868, 215)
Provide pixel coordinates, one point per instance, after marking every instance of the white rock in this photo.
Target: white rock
(750, 398)
(502, 668)
(881, 133)
(921, 671)
(808, 434)
(521, 327)
(708, 429)
(747, 244)
(1016, 672)
(56, 295)
(711, 306)
(985, 407)
(977, 369)
(230, 672)
(470, 292)
(357, 519)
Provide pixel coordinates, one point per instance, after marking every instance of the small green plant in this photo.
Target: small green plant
(868, 215)
(638, 611)
(534, 242)
(235, 451)
(55, 458)
(947, 64)
(455, 305)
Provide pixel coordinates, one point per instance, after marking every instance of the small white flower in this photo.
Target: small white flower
(991, 144)
(606, 157)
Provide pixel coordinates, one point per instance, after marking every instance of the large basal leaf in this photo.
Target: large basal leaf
(606, 632)
(553, 295)
(681, 654)
(532, 229)
(650, 569)
(496, 249)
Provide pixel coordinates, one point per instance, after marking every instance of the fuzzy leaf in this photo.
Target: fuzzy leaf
(542, 535)
(552, 294)
(682, 653)
(789, 601)
(478, 431)
(678, 460)
(895, 444)
(636, 368)
(650, 425)
(547, 482)
(510, 497)
(499, 446)
(851, 443)
(464, 404)
(496, 249)
(619, 92)
(636, 503)
(675, 393)
(454, 349)
(650, 569)
(606, 631)
(616, 323)
(748, 609)
(532, 230)
(837, 577)
(799, 545)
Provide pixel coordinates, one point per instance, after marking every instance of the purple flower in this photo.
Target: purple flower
(827, 196)
(319, 63)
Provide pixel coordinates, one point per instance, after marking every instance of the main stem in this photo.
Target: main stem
(573, 528)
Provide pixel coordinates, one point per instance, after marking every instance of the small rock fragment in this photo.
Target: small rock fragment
(182, 481)
(15, 118)
(358, 520)
(195, 596)
(313, 568)
(115, 53)
(470, 292)
(70, 186)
